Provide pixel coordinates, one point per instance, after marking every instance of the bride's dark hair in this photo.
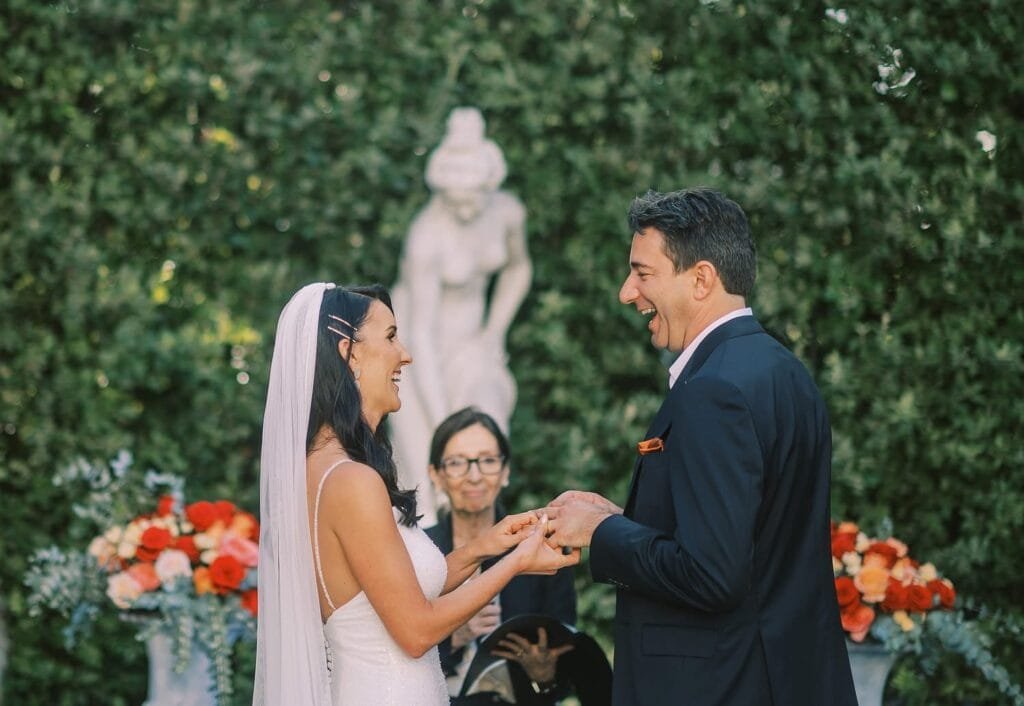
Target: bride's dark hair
(336, 401)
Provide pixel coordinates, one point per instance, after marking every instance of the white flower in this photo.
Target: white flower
(172, 563)
(113, 534)
(862, 542)
(852, 561)
(209, 556)
(928, 572)
(123, 590)
(133, 532)
(126, 550)
(986, 139)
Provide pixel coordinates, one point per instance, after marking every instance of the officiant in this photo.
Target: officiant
(470, 462)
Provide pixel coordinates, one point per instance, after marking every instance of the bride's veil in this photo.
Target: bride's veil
(291, 665)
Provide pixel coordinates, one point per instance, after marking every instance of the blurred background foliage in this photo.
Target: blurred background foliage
(170, 172)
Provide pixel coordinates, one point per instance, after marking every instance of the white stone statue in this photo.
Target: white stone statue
(469, 234)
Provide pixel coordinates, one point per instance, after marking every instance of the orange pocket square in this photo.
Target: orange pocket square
(650, 446)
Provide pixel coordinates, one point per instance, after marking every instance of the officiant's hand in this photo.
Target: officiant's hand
(488, 618)
(505, 534)
(537, 659)
(574, 515)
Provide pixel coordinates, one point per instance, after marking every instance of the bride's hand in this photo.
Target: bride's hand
(535, 556)
(505, 534)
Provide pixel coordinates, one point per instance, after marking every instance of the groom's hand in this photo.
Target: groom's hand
(574, 515)
(586, 496)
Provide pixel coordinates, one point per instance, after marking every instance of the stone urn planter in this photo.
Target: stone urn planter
(870, 663)
(167, 687)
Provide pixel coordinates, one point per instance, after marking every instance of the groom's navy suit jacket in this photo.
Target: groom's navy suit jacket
(722, 557)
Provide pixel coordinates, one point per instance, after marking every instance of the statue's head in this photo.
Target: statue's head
(466, 166)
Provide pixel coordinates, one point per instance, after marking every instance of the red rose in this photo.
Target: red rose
(225, 511)
(165, 506)
(896, 597)
(944, 590)
(919, 598)
(843, 542)
(188, 545)
(857, 620)
(201, 514)
(156, 538)
(846, 592)
(143, 553)
(250, 601)
(887, 551)
(227, 573)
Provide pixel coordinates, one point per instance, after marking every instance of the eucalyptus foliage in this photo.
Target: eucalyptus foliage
(170, 172)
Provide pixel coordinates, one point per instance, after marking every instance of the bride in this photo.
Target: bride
(353, 596)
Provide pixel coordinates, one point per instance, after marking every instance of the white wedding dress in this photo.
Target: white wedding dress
(367, 667)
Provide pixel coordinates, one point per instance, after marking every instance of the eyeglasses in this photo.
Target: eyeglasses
(458, 466)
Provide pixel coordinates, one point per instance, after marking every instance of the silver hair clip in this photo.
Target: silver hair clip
(346, 323)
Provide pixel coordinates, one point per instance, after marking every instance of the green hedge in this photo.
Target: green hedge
(171, 171)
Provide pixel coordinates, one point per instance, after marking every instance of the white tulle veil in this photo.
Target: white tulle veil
(291, 664)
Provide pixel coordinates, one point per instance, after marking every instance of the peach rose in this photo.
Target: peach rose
(857, 621)
(900, 547)
(245, 525)
(245, 550)
(123, 590)
(848, 528)
(103, 552)
(872, 582)
(145, 575)
(927, 572)
(202, 581)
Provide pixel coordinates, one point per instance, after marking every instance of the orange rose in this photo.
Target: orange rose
(145, 575)
(857, 621)
(228, 573)
(842, 543)
(919, 598)
(896, 597)
(846, 591)
(250, 601)
(225, 510)
(202, 581)
(872, 582)
(848, 528)
(201, 514)
(165, 506)
(943, 588)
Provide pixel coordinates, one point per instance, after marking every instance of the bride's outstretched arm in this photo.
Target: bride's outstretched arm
(507, 533)
(357, 509)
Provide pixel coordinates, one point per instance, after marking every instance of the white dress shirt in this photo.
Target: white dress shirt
(677, 367)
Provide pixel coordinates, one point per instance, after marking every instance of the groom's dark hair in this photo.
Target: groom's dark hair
(336, 401)
(701, 224)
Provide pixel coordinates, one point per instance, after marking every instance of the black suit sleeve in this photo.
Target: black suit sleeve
(715, 477)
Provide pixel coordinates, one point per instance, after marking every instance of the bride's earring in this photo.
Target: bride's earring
(355, 373)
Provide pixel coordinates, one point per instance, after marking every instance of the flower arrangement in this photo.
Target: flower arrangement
(881, 589)
(187, 570)
(887, 596)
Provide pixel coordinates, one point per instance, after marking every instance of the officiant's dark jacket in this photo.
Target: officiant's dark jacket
(722, 558)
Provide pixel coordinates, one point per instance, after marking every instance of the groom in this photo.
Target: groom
(721, 556)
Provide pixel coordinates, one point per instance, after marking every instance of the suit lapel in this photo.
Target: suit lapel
(662, 424)
(658, 428)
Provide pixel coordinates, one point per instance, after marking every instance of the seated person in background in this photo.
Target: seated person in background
(469, 465)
